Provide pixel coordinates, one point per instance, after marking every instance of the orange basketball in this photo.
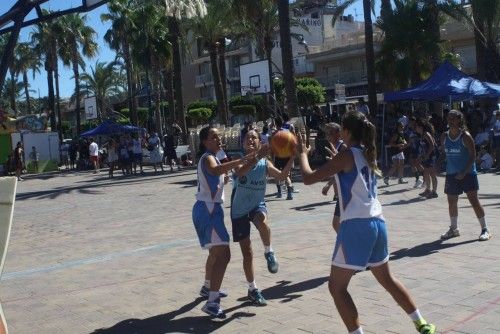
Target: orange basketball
(283, 144)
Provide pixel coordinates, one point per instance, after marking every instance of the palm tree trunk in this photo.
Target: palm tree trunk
(169, 86)
(13, 83)
(58, 102)
(370, 58)
(217, 83)
(26, 92)
(131, 84)
(76, 74)
(434, 29)
(50, 84)
(268, 46)
(385, 9)
(173, 27)
(223, 74)
(287, 56)
(156, 92)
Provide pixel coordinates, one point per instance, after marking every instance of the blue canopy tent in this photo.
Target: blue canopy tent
(110, 128)
(446, 84)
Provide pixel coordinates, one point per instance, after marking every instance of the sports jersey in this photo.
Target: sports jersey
(358, 190)
(457, 155)
(249, 190)
(210, 187)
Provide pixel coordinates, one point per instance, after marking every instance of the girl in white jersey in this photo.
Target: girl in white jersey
(208, 216)
(362, 238)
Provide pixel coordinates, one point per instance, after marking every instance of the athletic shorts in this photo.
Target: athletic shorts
(94, 158)
(361, 243)
(429, 163)
(208, 219)
(280, 163)
(452, 186)
(241, 225)
(336, 213)
(399, 156)
(138, 158)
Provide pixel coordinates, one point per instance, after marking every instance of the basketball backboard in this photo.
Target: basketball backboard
(254, 77)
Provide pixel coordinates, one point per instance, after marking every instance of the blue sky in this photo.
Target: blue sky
(39, 84)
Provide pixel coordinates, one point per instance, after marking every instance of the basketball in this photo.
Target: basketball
(283, 144)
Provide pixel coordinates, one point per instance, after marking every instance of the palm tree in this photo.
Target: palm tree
(150, 49)
(27, 59)
(177, 10)
(118, 38)
(12, 91)
(44, 38)
(103, 81)
(76, 35)
(210, 30)
(287, 56)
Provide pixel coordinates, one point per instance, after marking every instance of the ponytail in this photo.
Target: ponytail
(368, 140)
(203, 135)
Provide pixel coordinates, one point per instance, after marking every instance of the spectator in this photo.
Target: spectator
(362, 107)
(496, 138)
(34, 156)
(18, 159)
(137, 153)
(64, 154)
(403, 119)
(484, 159)
(94, 155)
(264, 136)
(169, 153)
(72, 152)
(481, 138)
(154, 151)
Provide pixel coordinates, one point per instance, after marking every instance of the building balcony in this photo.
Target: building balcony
(346, 78)
(203, 80)
(303, 68)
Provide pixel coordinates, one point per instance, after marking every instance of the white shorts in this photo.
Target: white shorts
(399, 156)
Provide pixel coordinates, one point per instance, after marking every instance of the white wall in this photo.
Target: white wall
(46, 143)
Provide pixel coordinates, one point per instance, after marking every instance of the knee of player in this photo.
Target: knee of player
(247, 251)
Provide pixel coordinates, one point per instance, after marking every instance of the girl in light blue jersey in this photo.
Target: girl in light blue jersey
(461, 175)
(208, 216)
(248, 205)
(362, 238)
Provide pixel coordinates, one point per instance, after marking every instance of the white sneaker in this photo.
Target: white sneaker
(418, 184)
(485, 235)
(451, 233)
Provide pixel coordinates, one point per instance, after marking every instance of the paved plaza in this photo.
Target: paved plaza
(92, 255)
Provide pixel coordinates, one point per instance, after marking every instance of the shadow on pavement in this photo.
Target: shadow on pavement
(405, 201)
(426, 249)
(90, 187)
(166, 323)
(312, 206)
(287, 292)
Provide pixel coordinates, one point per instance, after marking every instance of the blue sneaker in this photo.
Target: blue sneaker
(204, 292)
(272, 263)
(214, 310)
(255, 296)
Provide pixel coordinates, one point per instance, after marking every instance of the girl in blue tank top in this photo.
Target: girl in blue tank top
(362, 237)
(461, 175)
(248, 206)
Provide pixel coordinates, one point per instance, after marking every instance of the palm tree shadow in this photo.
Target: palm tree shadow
(166, 323)
(287, 292)
(426, 249)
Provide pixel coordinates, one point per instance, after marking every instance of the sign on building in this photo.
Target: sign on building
(340, 93)
(90, 108)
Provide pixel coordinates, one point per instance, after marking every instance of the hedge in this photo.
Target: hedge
(246, 109)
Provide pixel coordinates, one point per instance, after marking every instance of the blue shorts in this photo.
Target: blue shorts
(138, 158)
(241, 225)
(452, 186)
(208, 219)
(361, 243)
